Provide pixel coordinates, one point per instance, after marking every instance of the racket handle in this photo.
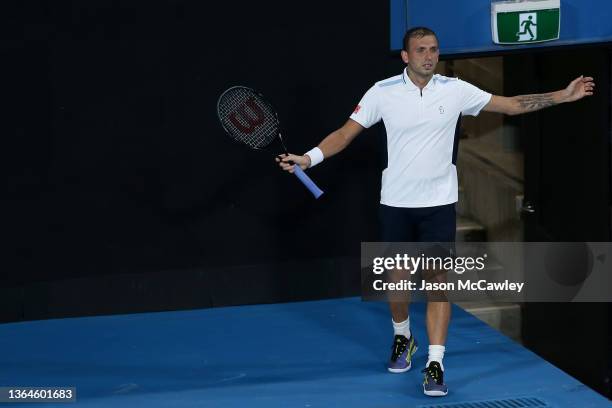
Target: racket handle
(310, 185)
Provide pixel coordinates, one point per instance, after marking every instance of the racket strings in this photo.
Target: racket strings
(247, 118)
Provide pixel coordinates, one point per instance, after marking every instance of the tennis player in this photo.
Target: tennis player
(420, 111)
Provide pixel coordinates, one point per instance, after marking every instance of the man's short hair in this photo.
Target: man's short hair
(417, 32)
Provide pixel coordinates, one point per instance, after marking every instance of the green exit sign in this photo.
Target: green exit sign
(525, 21)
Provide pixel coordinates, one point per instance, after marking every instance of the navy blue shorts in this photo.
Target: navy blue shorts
(426, 224)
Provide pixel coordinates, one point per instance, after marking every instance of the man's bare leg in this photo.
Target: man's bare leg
(399, 311)
(438, 318)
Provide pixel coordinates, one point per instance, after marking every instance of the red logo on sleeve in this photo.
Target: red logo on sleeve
(357, 108)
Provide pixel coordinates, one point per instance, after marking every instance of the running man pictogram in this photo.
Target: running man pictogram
(527, 23)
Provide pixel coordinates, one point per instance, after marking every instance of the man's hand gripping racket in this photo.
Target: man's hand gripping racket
(248, 118)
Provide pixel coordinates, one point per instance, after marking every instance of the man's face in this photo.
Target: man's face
(422, 55)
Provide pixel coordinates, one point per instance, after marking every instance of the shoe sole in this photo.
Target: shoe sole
(399, 370)
(403, 370)
(435, 393)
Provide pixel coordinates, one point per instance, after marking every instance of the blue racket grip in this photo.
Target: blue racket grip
(310, 185)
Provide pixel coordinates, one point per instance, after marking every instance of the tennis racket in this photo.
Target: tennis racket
(249, 119)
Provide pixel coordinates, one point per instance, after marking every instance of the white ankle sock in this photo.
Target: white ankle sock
(402, 328)
(436, 353)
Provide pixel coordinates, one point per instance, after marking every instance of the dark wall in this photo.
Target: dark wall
(567, 182)
(113, 160)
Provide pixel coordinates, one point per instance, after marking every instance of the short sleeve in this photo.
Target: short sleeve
(473, 99)
(367, 112)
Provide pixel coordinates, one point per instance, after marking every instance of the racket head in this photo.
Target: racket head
(247, 117)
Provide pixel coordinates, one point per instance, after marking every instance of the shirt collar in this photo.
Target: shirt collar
(412, 87)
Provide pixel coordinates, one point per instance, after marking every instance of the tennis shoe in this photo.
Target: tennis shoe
(433, 383)
(401, 353)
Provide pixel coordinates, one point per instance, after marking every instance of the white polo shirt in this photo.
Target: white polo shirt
(420, 135)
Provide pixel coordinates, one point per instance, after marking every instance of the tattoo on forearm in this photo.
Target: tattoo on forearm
(532, 103)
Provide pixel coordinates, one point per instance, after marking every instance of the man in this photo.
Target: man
(527, 23)
(419, 186)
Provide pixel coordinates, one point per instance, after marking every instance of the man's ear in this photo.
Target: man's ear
(405, 56)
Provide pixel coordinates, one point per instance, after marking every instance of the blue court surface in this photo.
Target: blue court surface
(329, 353)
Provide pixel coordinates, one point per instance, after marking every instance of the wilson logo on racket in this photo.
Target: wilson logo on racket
(250, 118)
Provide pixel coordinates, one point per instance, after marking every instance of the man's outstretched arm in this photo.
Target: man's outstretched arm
(516, 105)
(334, 143)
